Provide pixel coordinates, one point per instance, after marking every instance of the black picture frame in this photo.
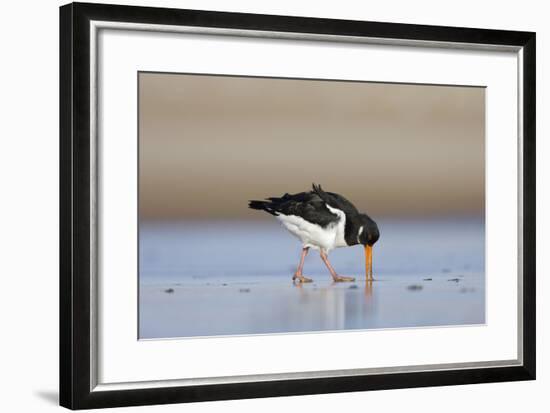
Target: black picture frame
(75, 219)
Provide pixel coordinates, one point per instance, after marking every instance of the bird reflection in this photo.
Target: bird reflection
(332, 306)
(368, 289)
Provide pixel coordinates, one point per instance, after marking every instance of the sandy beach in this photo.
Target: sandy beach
(200, 279)
(274, 305)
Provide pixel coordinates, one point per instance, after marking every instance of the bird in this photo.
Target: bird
(322, 221)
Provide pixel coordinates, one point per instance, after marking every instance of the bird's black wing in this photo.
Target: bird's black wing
(307, 205)
(335, 200)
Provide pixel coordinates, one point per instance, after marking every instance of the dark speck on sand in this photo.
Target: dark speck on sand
(454, 279)
(169, 290)
(427, 279)
(414, 287)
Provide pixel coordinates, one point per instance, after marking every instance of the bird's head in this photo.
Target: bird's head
(368, 231)
(367, 236)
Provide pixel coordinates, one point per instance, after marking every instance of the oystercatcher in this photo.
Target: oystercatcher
(323, 221)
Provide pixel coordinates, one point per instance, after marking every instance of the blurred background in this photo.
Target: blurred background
(208, 144)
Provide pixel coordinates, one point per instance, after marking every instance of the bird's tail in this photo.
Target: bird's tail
(262, 206)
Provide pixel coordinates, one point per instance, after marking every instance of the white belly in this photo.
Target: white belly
(315, 236)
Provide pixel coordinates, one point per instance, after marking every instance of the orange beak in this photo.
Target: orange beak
(368, 262)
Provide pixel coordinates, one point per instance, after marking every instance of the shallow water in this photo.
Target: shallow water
(227, 278)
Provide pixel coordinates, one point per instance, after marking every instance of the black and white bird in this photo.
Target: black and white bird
(323, 221)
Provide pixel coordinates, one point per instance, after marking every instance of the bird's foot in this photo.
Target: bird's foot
(301, 278)
(341, 278)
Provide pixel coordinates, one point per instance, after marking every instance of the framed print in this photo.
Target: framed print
(257, 206)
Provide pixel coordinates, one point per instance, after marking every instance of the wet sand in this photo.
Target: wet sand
(267, 305)
(234, 278)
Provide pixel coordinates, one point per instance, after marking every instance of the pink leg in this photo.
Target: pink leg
(335, 277)
(298, 274)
